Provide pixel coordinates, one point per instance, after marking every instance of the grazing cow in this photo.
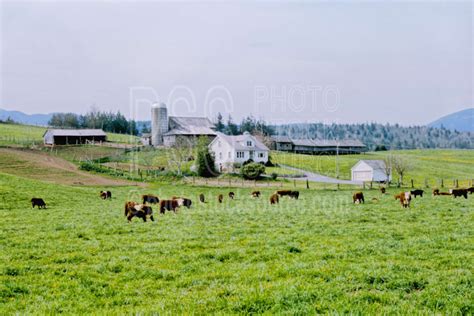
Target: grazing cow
(444, 193)
(231, 195)
(133, 209)
(417, 192)
(284, 192)
(398, 196)
(459, 192)
(220, 198)
(405, 199)
(256, 194)
(274, 199)
(202, 198)
(185, 201)
(470, 190)
(435, 192)
(152, 199)
(295, 195)
(106, 195)
(38, 202)
(382, 190)
(170, 205)
(358, 197)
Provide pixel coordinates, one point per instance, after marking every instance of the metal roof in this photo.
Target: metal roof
(281, 139)
(76, 132)
(375, 164)
(190, 126)
(237, 141)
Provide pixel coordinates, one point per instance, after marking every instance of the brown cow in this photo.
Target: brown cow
(459, 192)
(295, 195)
(274, 199)
(435, 192)
(284, 192)
(38, 202)
(382, 190)
(185, 201)
(170, 205)
(220, 198)
(256, 194)
(358, 197)
(417, 192)
(133, 209)
(152, 199)
(202, 198)
(106, 195)
(231, 195)
(405, 199)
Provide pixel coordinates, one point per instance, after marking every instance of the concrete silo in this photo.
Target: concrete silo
(159, 123)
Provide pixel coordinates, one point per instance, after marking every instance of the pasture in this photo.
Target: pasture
(319, 254)
(447, 164)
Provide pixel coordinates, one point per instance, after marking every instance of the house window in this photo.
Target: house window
(261, 155)
(249, 143)
(240, 154)
(220, 155)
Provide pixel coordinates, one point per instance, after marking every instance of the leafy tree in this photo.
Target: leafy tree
(205, 162)
(220, 126)
(232, 128)
(252, 170)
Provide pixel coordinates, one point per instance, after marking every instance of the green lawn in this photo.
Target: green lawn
(319, 254)
(426, 164)
(26, 135)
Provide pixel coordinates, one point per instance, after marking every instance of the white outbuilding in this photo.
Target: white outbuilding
(370, 170)
(230, 150)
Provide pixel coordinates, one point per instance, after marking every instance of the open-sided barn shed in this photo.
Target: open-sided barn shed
(73, 136)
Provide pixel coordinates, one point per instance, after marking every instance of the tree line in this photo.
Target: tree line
(374, 135)
(108, 121)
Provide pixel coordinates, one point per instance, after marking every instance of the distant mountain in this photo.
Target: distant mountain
(462, 121)
(23, 118)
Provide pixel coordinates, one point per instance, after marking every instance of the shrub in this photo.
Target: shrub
(205, 162)
(274, 175)
(252, 170)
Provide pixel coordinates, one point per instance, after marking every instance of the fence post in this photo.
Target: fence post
(412, 184)
(442, 183)
(371, 184)
(457, 183)
(307, 184)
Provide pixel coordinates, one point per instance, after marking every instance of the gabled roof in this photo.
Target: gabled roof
(281, 139)
(304, 142)
(374, 164)
(190, 126)
(237, 142)
(76, 132)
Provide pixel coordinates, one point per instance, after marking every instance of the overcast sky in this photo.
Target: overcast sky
(406, 62)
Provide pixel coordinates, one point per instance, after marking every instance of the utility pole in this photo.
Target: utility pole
(337, 159)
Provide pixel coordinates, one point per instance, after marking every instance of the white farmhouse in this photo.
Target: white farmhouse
(370, 170)
(231, 150)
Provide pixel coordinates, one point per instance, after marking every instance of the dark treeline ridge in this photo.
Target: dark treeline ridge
(376, 136)
(108, 121)
(381, 136)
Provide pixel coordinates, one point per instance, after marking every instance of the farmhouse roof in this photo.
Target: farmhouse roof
(76, 132)
(237, 141)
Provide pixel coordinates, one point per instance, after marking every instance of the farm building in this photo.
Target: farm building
(169, 130)
(73, 136)
(370, 170)
(230, 150)
(319, 147)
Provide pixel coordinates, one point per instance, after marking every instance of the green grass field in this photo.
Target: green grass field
(320, 254)
(426, 164)
(26, 135)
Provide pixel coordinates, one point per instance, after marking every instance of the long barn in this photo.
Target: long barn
(73, 136)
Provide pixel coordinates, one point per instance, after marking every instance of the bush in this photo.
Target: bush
(205, 163)
(252, 170)
(274, 175)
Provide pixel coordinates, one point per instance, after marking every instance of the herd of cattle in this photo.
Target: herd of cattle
(144, 210)
(405, 197)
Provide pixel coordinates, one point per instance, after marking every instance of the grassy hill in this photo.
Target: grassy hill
(426, 164)
(320, 254)
(25, 135)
